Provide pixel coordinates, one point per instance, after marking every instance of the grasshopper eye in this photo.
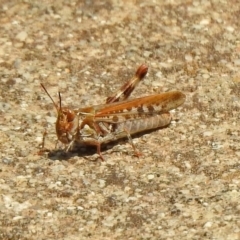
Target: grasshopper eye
(70, 115)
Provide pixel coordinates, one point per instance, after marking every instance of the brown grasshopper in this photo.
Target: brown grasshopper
(116, 119)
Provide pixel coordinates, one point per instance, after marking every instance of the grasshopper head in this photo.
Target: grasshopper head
(66, 125)
(67, 121)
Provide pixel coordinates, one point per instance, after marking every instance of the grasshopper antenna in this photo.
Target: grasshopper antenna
(56, 106)
(60, 101)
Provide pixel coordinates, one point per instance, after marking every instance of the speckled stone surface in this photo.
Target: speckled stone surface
(186, 185)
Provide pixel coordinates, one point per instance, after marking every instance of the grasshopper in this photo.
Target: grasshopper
(118, 118)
